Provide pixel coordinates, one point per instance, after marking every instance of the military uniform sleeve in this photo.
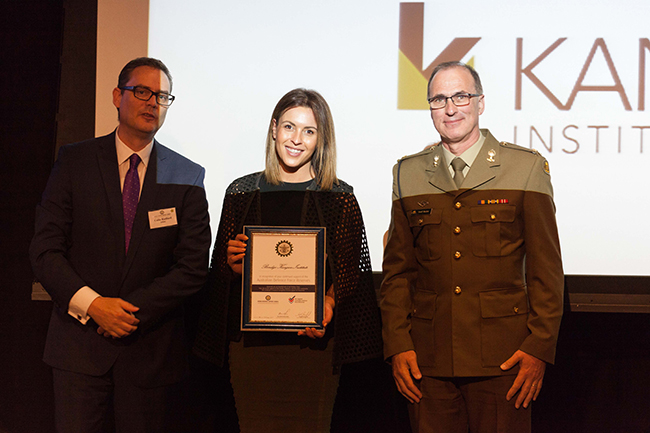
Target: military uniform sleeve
(400, 271)
(544, 273)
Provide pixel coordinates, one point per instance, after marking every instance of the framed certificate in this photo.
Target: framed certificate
(283, 284)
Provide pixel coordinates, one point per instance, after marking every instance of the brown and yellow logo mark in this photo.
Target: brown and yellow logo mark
(412, 78)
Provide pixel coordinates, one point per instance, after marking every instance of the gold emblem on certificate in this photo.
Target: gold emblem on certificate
(283, 284)
(284, 248)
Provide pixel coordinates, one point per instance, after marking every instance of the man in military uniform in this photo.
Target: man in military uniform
(473, 285)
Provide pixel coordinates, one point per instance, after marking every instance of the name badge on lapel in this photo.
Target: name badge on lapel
(162, 218)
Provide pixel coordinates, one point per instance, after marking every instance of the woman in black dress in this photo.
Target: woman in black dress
(287, 382)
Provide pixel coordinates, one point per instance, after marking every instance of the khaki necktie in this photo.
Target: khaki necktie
(458, 165)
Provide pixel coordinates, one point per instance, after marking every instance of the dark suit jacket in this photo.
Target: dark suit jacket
(79, 240)
(472, 275)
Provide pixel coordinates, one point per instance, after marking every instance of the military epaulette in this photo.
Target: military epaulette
(525, 149)
(425, 151)
(516, 147)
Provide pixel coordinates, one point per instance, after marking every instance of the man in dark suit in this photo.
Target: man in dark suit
(472, 293)
(122, 238)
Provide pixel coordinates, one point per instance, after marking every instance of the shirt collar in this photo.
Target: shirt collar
(124, 152)
(469, 155)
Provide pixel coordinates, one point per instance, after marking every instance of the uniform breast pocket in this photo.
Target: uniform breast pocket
(427, 234)
(494, 230)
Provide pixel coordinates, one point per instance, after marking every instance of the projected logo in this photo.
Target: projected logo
(412, 75)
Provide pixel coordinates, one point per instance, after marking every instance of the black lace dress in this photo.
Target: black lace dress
(283, 382)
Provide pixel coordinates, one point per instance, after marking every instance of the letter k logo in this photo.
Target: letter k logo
(412, 79)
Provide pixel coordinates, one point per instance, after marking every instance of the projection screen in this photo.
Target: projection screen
(558, 76)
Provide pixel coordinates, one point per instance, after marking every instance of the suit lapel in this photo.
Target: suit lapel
(108, 168)
(146, 204)
(438, 173)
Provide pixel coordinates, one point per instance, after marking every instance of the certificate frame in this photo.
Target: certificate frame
(283, 284)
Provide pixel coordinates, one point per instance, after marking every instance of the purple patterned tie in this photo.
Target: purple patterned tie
(130, 196)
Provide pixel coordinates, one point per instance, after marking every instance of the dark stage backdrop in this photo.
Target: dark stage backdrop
(47, 97)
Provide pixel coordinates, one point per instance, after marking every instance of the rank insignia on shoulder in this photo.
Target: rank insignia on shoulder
(494, 201)
(547, 170)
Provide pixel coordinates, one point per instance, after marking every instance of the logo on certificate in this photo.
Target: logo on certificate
(284, 248)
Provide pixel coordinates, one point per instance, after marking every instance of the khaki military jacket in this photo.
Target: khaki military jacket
(471, 275)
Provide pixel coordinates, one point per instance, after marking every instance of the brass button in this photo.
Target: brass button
(516, 310)
(458, 205)
(493, 217)
(420, 221)
(457, 230)
(457, 290)
(457, 255)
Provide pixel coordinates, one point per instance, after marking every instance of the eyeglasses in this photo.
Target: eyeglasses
(459, 100)
(144, 94)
